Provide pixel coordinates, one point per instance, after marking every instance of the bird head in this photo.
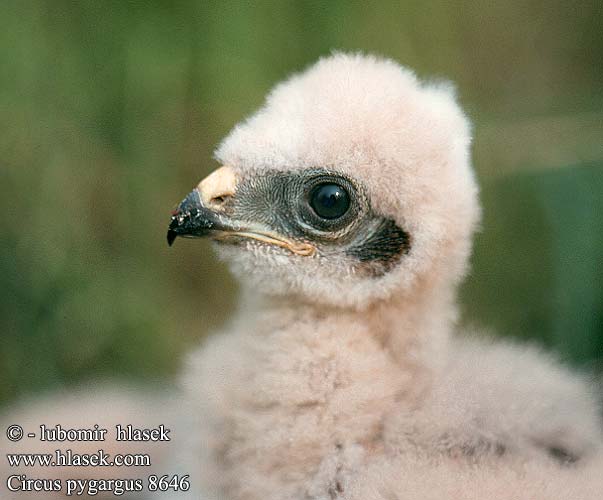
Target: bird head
(351, 184)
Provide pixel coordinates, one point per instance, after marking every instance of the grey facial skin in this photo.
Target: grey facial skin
(279, 203)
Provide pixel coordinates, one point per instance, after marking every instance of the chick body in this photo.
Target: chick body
(340, 380)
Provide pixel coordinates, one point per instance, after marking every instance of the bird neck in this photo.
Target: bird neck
(414, 329)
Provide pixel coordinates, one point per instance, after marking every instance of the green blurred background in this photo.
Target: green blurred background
(109, 112)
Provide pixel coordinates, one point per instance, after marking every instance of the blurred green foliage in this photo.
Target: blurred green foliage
(538, 264)
(109, 112)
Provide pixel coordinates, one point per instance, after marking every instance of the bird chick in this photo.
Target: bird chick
(346, 207)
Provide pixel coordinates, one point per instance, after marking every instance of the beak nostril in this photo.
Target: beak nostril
(219, 200)
(218, 187)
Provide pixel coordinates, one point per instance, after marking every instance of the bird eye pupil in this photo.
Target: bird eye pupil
(329, 201)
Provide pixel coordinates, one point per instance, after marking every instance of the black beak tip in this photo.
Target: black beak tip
(171, 236)
(191, 219)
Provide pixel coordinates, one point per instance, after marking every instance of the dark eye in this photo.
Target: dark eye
(329, 201)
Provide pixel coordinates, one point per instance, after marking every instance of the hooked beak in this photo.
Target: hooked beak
(202, 214)
(191, 219)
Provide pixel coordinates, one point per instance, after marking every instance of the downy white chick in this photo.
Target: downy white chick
(346, 206)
